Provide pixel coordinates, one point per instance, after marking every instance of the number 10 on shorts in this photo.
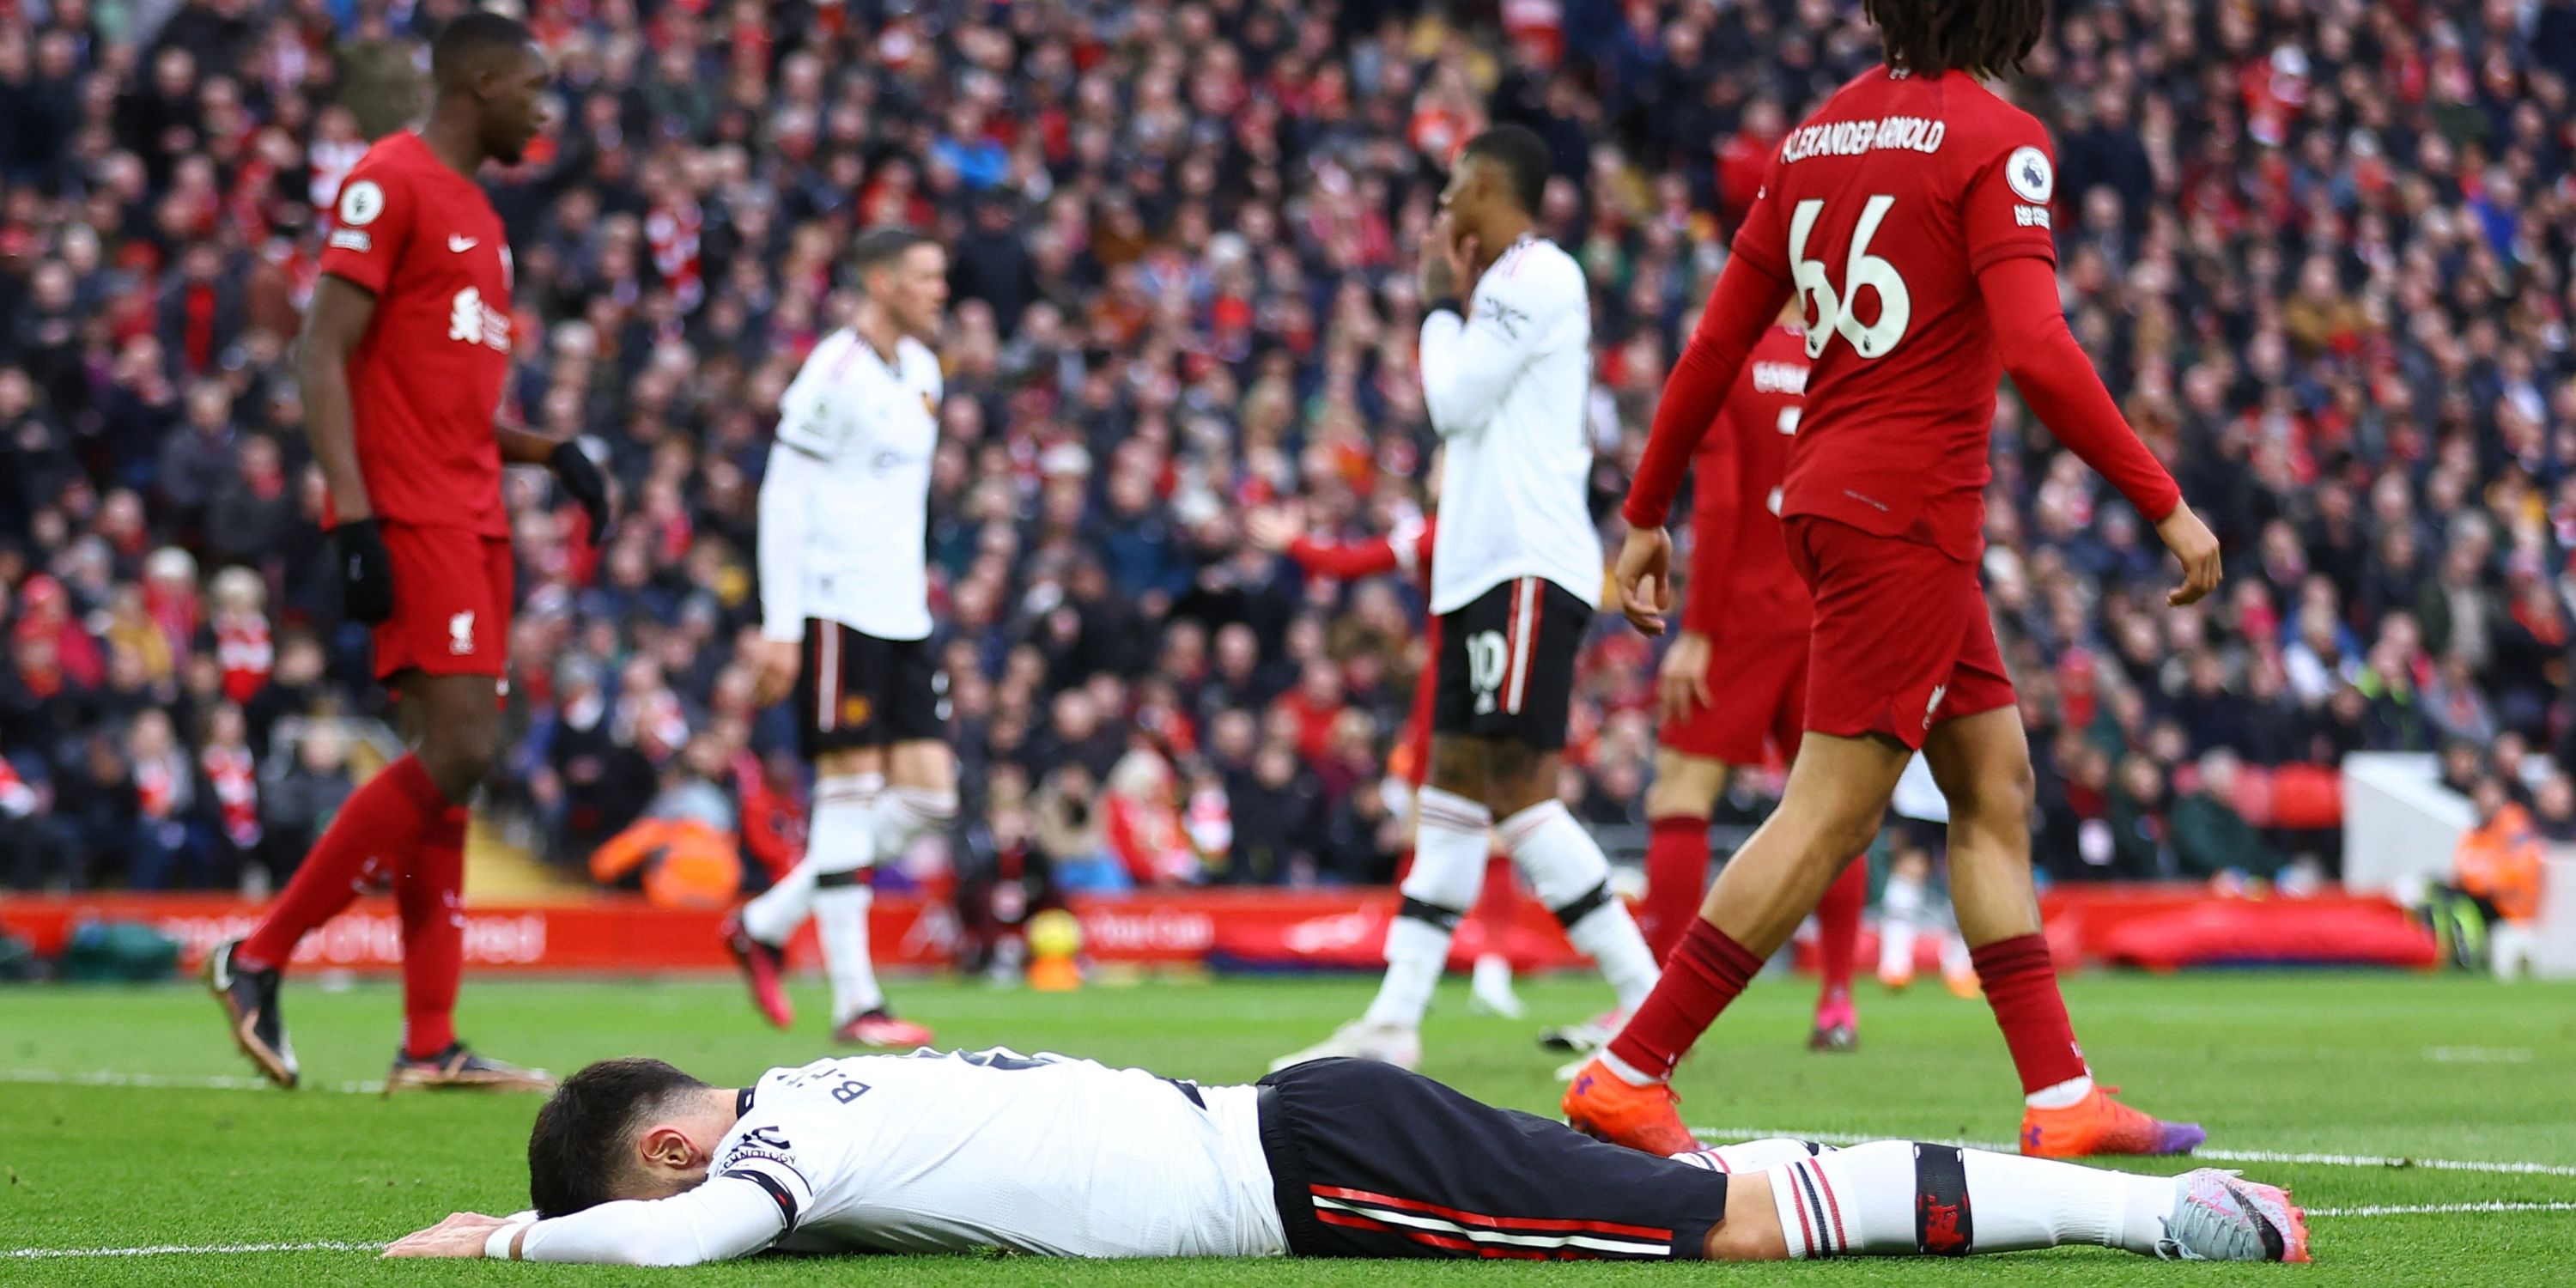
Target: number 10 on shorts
(1485, 663)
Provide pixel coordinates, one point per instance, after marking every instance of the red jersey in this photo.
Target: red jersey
(1879, 211)
(426, 379)
(1739, 565)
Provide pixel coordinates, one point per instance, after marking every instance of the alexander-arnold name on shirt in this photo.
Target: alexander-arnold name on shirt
(1851, 138)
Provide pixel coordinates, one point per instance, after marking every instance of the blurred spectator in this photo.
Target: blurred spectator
(2211, 837)
(2319, 253)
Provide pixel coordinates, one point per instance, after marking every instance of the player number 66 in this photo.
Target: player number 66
(1831, 311)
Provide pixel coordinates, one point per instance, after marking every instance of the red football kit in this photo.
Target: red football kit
(1743, 595)
(424, 385)
(1910, 218)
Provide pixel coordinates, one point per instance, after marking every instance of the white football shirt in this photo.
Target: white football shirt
(844, 507)
(1506, 389)
(955, 1151)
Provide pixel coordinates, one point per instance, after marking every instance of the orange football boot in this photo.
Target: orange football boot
(1604, 1106)
(2099, 1124)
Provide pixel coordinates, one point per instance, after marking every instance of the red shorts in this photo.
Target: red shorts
(1757, 678)
(451, 603)
(1902, 641)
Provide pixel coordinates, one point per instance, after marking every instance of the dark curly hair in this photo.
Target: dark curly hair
(1979, 37)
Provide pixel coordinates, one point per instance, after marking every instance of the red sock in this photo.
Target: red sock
(429, 893)
(2020, 979)
(382, 819)
(1838, 927)
(1705, 972)
(1676, 880)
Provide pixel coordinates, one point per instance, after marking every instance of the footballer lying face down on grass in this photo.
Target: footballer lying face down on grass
(635, 1163)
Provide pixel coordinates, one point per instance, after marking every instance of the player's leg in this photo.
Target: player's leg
(906, 711)
(1368, 1160)
(1837, 942)
(1837, 1026)
(1677, 812)
(449, 718)
(1523, 682)
(444, 619)
(1901, 1198)
(1452, 835)
(920, 797)
(1982, 763)
(1567, 872)
(848, 774)
(1838, 788)
(1372, 1161)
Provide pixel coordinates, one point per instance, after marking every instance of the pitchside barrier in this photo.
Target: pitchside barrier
(2159, 927)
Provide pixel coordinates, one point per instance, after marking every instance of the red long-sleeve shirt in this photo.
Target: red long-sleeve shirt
(1910, 218)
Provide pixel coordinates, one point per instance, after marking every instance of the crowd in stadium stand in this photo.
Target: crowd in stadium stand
(2320, 250)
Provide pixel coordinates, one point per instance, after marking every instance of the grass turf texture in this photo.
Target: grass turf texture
(2353, 1064)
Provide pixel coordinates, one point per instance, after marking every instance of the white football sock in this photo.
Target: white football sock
(1448, 868)
(904, 813)
(2062, 1094)
(841, 845)
(1868, 1200)
(841, 921)
(1567, 872)
(841, 812)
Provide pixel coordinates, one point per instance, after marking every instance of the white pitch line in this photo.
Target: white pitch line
(2441, 1209)
(2220, 1155)
(174, 1082)
(187, 1250)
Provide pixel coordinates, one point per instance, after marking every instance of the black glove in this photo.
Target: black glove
(584, 483)
(366, 571)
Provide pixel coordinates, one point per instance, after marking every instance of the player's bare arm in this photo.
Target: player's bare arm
(1744, 302)
(2058, 381)
(333, 328)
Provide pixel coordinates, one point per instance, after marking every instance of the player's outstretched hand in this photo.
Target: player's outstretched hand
(584, 483)
(462, 1234)
(1681, 680)
(1645, 578)
(2193, 544)
(1275, 527)
(366, 571)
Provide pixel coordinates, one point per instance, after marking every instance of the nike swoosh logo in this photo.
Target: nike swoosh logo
(460, 245)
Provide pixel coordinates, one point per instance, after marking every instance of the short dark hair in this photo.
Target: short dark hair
(582, 1139)
(468, 39)
(1523, 157)
(1979, 37)
(881, 246)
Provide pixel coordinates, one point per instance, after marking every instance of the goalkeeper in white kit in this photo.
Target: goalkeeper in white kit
(635, 1163)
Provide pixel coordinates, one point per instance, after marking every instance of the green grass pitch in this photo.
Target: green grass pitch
(2403, 1068)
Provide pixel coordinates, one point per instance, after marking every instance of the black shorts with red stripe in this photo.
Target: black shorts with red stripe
(1506, 666)
(1369, 1160)
(857, 691)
